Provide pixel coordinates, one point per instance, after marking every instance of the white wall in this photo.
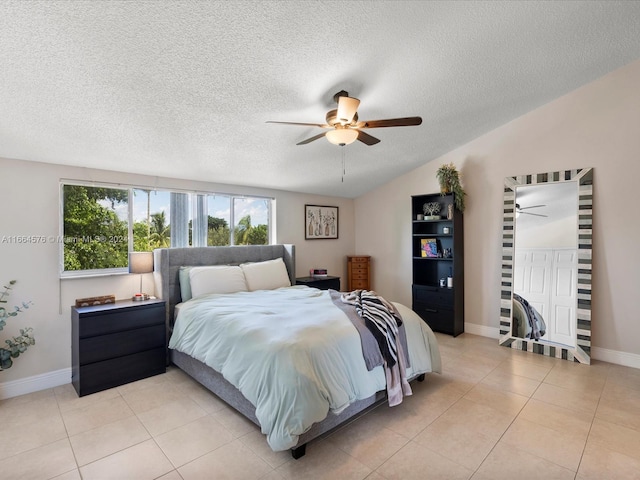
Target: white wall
(595, 126)
(29, 205)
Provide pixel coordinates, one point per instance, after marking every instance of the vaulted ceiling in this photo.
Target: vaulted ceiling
(184, 88)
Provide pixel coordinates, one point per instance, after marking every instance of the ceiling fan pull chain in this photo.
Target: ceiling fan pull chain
(343, 169)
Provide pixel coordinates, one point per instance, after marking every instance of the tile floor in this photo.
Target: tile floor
(494, 413)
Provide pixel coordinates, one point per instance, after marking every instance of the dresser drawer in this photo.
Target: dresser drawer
(118, 371)
(359, 259)
(359, 271)
(359, 265)
(104, 322)
(104, 347)
(357, 284)
(433, 296)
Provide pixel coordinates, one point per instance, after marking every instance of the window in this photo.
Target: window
(102, 224)
(251, 221)
(95, 228)
(151, 213)
(218, 220)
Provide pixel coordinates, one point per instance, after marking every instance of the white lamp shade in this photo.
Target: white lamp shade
(347, 107)
(342, 136)
(140, 262)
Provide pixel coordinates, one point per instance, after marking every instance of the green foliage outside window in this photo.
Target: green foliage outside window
(94, 236)
(218, 233)
(247, 234)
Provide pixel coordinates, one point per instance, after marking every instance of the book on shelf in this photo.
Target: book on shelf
(429, 247)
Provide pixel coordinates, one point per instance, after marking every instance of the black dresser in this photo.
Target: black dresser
(117, 343)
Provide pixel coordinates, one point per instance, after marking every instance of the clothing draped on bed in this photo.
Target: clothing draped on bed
(291, 353)
(385, 324)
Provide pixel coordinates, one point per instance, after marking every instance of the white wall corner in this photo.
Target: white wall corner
(35, 383)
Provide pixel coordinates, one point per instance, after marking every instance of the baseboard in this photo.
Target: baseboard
(597, 353)
(482, 330)
(613, 356)
(35, 383)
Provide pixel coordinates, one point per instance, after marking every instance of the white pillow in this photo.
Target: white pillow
(266, 275)
(216, 279)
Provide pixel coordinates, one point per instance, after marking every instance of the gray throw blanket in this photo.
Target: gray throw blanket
(383, 337)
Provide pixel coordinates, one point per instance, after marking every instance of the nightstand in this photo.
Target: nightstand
(323, 283)
(117, 343)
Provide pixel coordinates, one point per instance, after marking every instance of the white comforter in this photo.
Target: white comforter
(291, 352)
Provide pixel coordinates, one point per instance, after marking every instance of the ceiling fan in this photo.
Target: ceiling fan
(520, 209)
(343, 125)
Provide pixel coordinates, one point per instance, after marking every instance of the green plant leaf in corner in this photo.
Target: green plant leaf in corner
(19, 344)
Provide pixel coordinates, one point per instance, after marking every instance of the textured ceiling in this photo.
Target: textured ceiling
(183, 89)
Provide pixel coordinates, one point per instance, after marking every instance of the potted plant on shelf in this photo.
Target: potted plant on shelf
(449, 179)
(19, 344)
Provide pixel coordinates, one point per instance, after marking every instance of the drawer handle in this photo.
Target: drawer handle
(430, 310)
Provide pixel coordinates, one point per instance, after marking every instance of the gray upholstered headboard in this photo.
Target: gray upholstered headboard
(167, 262)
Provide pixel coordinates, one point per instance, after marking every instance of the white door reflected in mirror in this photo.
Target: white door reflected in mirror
(545, 262)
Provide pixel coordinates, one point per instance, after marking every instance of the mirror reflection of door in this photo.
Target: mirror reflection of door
(545, 263)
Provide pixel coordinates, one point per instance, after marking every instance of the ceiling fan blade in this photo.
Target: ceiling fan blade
(347, 108)
(532, 206)
(309, 140)
(534, 214)
(321, 125)
(391, 122)
(367, 139)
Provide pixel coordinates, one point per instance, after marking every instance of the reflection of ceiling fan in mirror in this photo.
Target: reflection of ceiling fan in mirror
(520, 210)
(343, 125)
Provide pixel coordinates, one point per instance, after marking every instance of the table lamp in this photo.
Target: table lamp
(140, 262)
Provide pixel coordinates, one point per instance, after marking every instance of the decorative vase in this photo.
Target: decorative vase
(450, 211)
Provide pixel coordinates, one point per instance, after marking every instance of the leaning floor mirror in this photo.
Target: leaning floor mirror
(545, 301)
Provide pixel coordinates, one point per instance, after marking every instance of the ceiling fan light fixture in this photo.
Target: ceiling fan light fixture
(347, 108)
(342, 136)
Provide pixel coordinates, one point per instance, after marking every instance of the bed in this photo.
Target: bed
(527, 321)
(172, 265)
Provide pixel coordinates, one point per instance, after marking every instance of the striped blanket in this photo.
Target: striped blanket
(384, 322)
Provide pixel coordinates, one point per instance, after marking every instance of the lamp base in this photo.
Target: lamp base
(139, 297)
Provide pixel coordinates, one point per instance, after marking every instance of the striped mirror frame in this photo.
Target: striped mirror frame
(582, 351)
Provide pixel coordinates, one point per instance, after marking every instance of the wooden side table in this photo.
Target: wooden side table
(359, 272)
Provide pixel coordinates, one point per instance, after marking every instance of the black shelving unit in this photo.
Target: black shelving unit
(441, 306)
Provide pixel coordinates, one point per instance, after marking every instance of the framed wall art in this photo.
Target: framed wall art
(320, 222)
